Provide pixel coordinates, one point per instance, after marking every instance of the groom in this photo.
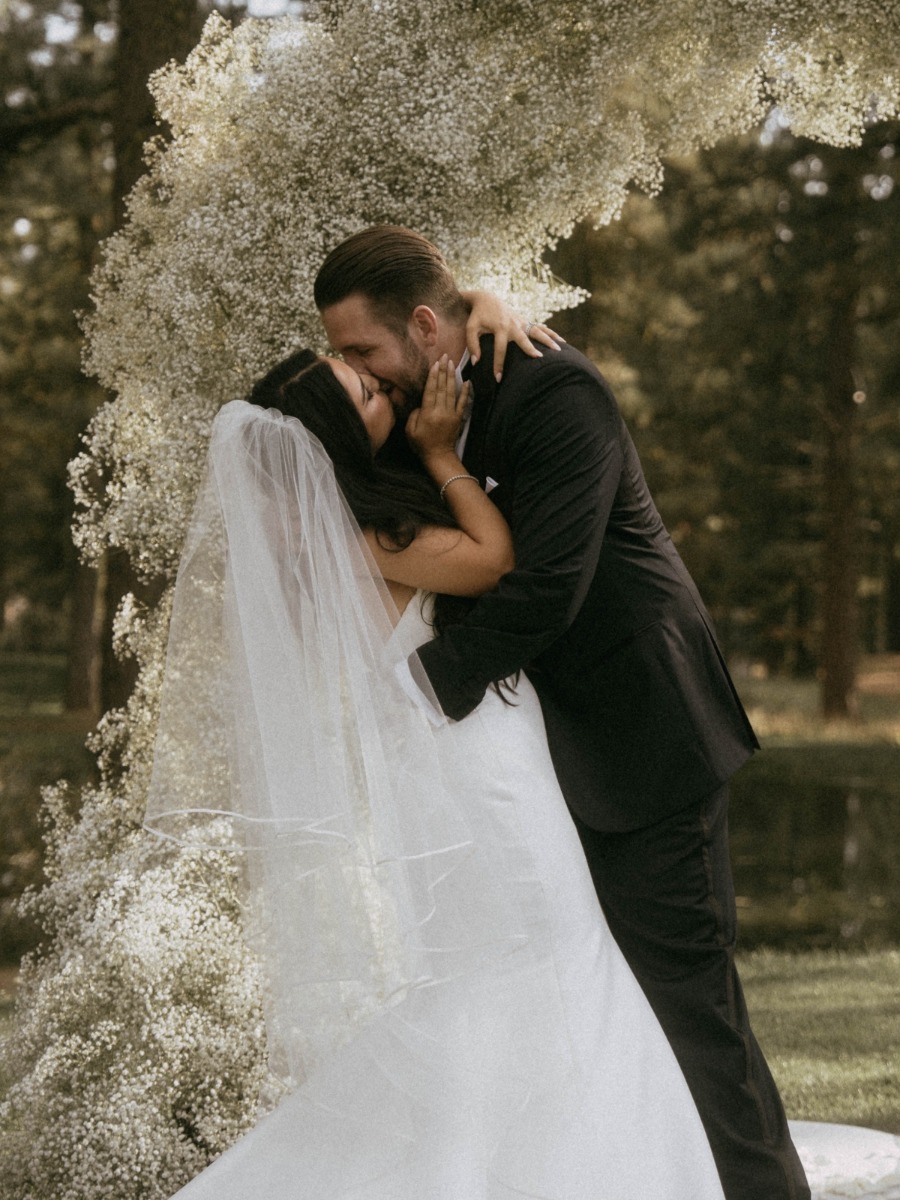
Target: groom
(643, 722)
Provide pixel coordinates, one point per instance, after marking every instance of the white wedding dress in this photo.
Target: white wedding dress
(443, 1115)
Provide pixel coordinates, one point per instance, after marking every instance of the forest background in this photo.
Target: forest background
(747, 317)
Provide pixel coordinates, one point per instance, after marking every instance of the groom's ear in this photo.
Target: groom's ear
(425, 321)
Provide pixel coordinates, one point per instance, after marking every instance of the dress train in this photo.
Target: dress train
(467, 1092)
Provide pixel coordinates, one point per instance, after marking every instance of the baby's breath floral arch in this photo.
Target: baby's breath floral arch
(491, 126)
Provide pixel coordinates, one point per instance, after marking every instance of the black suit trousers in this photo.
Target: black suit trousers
(667, 893)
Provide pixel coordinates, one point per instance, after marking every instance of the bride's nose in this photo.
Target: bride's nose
(373, 382)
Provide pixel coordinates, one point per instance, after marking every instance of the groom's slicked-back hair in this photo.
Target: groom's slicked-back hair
(396, 270)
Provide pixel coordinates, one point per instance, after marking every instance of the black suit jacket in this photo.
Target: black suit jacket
(642, 717)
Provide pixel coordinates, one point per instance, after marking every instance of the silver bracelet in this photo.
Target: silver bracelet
(453, 479)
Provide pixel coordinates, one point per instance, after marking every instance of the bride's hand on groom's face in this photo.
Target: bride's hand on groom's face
(432, 429)
(489, 314)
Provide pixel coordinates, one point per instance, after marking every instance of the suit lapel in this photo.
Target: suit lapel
(484, 389)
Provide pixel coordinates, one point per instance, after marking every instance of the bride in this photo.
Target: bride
(449, 1011)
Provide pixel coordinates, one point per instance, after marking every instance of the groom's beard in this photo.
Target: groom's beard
(405, 395)
(405, 392)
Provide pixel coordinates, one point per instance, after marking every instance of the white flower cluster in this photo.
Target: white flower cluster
(139, 1052)
(489, 125)
(140, 1048)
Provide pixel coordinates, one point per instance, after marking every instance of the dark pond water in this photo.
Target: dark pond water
(815, 838)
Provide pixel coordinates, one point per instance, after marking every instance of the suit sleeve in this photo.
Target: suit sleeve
(563, 448)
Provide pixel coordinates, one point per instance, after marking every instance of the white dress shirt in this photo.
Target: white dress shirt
(467, 419)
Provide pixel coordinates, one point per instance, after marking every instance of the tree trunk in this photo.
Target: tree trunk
(840, 565)
(151, 33)
(892, 600)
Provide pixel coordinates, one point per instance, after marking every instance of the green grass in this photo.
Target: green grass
(39, 744)
(786, 711)
(829, 1024)
(7, 988)
(31, 683)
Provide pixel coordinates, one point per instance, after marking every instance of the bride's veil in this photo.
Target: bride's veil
(284, 734)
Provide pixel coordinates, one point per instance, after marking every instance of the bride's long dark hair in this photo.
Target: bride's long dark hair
(393, 497)
(389, 492)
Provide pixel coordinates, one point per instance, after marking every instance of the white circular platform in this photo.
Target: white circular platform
(844, 1161)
